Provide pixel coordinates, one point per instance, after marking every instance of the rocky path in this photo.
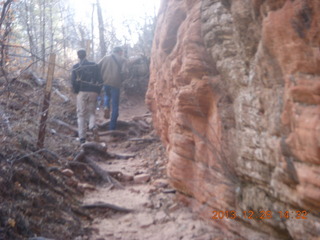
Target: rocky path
(156, 213)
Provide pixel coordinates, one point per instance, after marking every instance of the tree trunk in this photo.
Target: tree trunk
(64, 36)
(92, 32)
(51, 27)
(5, 29)
(103, 48)
(43, 32)
(35, 29)
(29, 31)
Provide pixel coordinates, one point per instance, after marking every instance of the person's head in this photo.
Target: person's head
(118, 50)
(82, 54)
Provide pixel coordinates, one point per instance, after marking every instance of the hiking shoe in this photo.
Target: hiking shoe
(106, 113)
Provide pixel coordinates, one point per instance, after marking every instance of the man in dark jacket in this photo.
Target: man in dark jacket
(86, 83)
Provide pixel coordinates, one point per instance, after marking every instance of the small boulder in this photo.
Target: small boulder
(142, 178)
(161, 183)
(67, 172)
(86, 186)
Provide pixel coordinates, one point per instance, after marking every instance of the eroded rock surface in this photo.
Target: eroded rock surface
(235, 96)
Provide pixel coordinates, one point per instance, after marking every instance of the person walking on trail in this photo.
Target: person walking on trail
(113, 71)
(86, 83)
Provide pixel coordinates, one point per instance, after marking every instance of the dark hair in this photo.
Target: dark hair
(117, 50)
(82, 54)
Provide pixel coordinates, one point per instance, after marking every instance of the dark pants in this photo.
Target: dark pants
(112, 94)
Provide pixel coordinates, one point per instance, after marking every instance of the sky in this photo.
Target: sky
(119, 10)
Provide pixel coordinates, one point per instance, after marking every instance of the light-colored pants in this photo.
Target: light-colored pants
(86, 109)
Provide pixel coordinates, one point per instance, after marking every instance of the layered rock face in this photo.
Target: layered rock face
(235, 96)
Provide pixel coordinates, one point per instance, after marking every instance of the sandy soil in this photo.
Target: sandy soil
(156, 213)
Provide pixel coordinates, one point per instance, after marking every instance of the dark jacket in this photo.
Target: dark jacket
(86, 77)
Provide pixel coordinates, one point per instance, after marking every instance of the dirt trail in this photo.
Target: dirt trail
(156, 214)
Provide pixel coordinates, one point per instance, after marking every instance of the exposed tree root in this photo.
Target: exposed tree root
(87, 157)
(102, 173)
(106, 205)
(80, 156)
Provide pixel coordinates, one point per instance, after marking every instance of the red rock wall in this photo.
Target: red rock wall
(235, 96)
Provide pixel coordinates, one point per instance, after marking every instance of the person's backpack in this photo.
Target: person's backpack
(88, 74)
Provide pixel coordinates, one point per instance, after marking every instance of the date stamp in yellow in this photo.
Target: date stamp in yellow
(259, 215)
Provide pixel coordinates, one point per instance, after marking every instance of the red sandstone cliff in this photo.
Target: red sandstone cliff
(235, 96)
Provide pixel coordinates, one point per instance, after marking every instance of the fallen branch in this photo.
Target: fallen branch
(120, 125)
(64, 124)
(106, 205)
(116, 133)
(148, 140)
(121, 156)
(62, 96)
